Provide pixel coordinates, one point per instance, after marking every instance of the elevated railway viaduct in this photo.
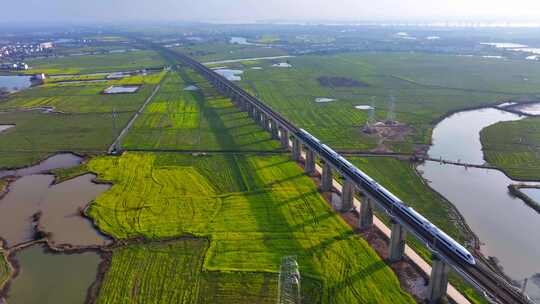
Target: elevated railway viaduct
(495, 288)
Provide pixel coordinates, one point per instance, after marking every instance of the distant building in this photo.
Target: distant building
(14, 66)
(46, 45)
(8, 66)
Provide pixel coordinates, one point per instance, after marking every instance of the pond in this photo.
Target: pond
(60, 206)
(231, 75)
(14, 83)
(363, 107)
(5, 127)
(324, 99)
(505, 225)
(240, 40)
(52, 278)
(191, 88)
(121, 89)
(282, 65)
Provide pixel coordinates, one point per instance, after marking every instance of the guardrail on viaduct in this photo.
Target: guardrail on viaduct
(495, 288)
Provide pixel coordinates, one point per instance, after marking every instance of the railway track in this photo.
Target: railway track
(495, 288)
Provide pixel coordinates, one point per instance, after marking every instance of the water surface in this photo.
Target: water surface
(19, 205)
(533, 193)
(532, 109)
(282, 65)
(324, 99)
(457, 138)
(121, 89)
(58, 161)
(506, 226)
(53, 278)
(14, 83)
(363, 107)
(5, 127)
(60, 206)
(240, 40)
(231, 75)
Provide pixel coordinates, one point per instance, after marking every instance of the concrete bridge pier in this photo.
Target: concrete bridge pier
(284, 138)
(265, 122)
(438, 281)
(365, 219)
(397, 241)
(309, 165)
(326, 179)
(347, 195)
(275, 129)
(295, 149)
(242, 104)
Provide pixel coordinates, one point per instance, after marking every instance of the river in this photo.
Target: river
(506, 226)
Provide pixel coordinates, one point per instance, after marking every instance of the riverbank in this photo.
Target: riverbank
(481, 194)
(514, 148)
(515, 189)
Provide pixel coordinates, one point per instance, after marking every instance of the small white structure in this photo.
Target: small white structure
(46, 45)
(22, 66)
(40, 76)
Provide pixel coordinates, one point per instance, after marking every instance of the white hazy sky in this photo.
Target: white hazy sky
(249, 10)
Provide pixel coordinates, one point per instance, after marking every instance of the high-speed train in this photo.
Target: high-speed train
(439, 237)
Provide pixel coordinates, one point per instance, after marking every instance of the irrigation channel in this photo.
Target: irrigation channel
(506, 226)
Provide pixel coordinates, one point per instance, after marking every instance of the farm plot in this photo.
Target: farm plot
(179, 119)
(154, 273)
(38, 135)
(254, 209)
(171, 272)
(225, 51)
(422, 93)
(83, 97)
(514, 147)
(4, 269)
(96, 63)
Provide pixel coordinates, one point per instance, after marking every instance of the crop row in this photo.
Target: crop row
(254, 209)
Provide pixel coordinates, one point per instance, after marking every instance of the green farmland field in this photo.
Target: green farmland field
(4, 269)
(514, 147)
(171, 272)
(425, 88)
(96, 63)
(254, 210)
(37, 135)
(177, 119)
(84, 97)
(84, 125)
(226, 51)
